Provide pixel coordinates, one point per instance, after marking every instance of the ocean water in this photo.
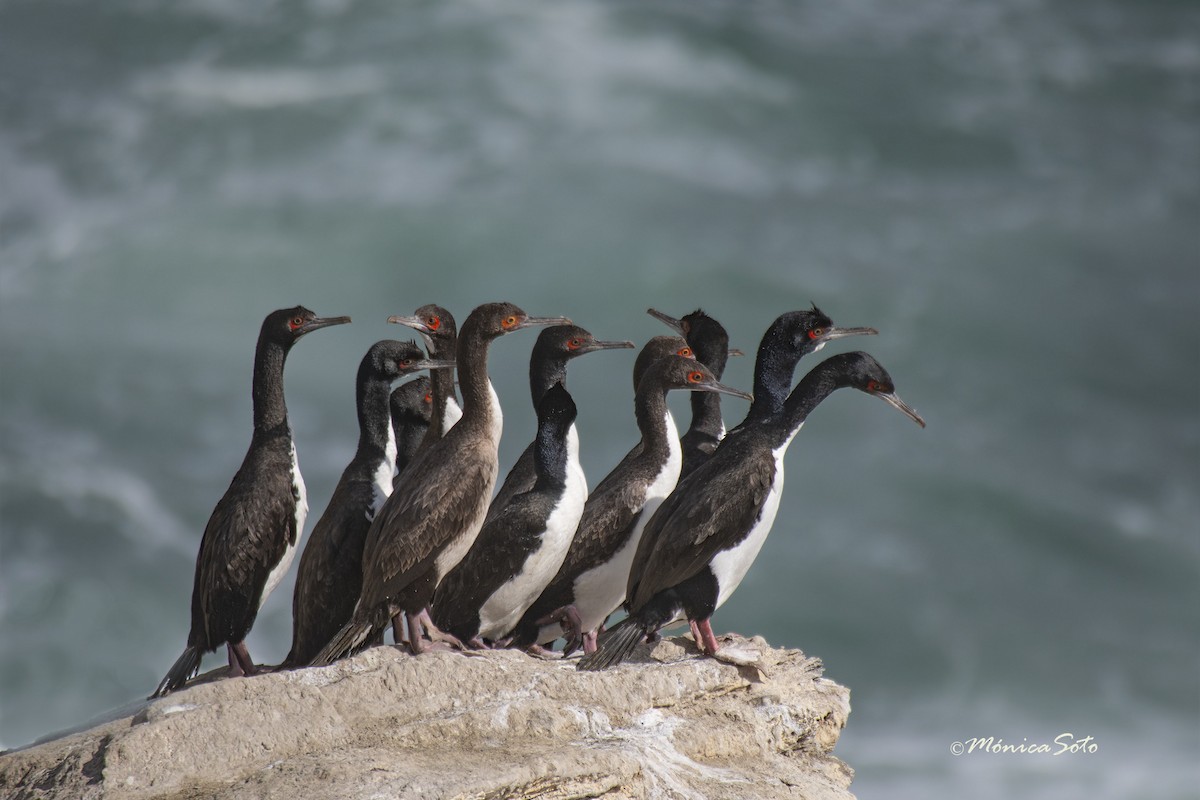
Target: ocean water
(1008, 191)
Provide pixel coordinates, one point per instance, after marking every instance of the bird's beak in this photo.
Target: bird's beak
(532, 322)
(430, 363)
(733, 351)
(672, 323)
(723, 389)
(841, 333)
(609, 346)
(410, 322)
(892, 400)
(316, 323)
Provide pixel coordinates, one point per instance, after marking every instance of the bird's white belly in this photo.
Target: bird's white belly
(385, 473)
(730, 566)
(503, 610)
(601, 591)
(280, 569)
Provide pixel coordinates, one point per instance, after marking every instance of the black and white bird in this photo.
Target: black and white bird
(429, 522)
(703, 538)
(411, 406)
(590, 584)
(437, 329)
(253, 532)
(329, 576)
(556, 346)
(710, 343)
(520, 549)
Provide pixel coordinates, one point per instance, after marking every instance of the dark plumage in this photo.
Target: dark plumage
(251, 537)
(437, 328)
(710, 343)
(555, 347)
(412, 408)
(702, 539)
(590, 584)
(329, 577)
(433, 516)
(519, 549)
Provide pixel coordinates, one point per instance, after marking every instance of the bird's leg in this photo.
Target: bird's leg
(537, 651)
(239, 652)
(695, 626)
(707, 642)
(398, 628)
(589, 642)
(568, 619)
(476, 643)
(235, 669)
(437, 634)
(420, 626)
(416, 642)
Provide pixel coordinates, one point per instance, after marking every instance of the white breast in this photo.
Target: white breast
(503, 610)
(730, 566)
(384, 474)
(280, 569)
(601, 590)
(451, 415)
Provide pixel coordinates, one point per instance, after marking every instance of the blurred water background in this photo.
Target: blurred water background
(1007, 190)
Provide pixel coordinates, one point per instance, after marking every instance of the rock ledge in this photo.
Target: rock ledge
(486, 725)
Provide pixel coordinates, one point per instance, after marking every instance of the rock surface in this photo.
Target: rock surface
(484, 725)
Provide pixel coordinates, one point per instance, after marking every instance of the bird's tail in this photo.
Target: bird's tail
(615, 645)
(349, 640)
(184, 668)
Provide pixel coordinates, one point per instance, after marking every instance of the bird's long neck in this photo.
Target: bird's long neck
(773, 371)
(441, 389)
(374, 418)
(544, 373)
(650, 409)
(550, 454)
(813, 388)
(706, 414)
(270, 411)
(706, 406)
(479, 407)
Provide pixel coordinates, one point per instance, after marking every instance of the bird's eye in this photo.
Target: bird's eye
(405, 363)
(428, 397)
(295, 322)
(510, 321)
(686, 352)
(433, 323)
(696, 376)
(872, 386)
(816, 333)
(574, 344)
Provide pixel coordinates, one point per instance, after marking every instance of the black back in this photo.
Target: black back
(254, 522)
(556, 346)
(411, 409)
(329, 577)
(507, 540)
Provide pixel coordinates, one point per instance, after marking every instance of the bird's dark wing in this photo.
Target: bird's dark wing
(420, 516)
(329, 577)
(607, 518)
(611, 510)
(499, 553)
(520, 478)
(696, 521)
(246, 536)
